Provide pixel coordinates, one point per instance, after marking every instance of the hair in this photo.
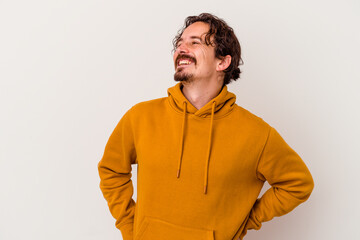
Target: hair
(225, 41)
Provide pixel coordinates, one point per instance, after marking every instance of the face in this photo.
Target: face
(193, 59)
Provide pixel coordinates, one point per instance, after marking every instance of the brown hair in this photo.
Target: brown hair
(226, 43)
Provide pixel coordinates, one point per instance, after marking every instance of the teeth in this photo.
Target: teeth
(184, 62)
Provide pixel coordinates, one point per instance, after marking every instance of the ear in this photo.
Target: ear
(224, 63)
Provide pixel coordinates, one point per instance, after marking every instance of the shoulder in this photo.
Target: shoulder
(150, 103)
(250, 120)
(150, 106)
(248, 116)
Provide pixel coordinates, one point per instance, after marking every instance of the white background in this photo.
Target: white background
(70, 69)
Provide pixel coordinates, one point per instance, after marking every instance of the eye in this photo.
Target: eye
(194, 42)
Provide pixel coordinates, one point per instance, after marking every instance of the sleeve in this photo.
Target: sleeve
(290, 180)
(115, 176)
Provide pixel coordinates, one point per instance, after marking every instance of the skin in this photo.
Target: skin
(206, 74)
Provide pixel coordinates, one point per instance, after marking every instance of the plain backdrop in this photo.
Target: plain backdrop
(70, 69)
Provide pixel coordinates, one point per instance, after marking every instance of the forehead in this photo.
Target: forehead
(197, 29)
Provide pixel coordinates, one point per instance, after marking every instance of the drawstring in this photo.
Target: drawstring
(209, 149)
(209, 145)
(182, 140)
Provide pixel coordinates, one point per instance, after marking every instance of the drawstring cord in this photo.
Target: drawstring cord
(209, 149)
(182, 140)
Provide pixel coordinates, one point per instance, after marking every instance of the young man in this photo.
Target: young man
(202, 159)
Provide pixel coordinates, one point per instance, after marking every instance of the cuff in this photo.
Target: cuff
(252, 223)
(127, 231)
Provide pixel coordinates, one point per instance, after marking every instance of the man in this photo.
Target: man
(202, 159)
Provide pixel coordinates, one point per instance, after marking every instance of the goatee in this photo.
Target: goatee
(180, 76)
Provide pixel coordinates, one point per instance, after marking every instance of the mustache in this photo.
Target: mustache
(185, 56)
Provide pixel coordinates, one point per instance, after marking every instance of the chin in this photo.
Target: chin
(182, 77)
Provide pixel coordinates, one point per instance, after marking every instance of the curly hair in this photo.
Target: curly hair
(225, 41)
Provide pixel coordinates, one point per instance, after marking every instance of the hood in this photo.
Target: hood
(217, 107)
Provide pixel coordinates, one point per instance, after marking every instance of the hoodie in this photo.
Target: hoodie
(199, 171)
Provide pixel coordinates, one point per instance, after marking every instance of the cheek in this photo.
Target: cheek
(200, 57)
(207, 56)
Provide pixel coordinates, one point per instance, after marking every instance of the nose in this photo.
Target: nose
(182, 48)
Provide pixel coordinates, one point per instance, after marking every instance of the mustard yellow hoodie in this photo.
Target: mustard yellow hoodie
(199, 171)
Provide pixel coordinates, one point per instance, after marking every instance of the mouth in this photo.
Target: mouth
(184, 61)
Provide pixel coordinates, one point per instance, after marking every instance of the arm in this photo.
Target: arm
(115, 176)
(290, 180)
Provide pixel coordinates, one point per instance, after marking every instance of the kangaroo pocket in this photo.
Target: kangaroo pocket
(153, 228)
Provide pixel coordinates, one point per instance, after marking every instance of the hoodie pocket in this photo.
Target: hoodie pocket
(153, 228)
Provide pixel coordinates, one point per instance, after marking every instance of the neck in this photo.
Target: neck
(200, 93)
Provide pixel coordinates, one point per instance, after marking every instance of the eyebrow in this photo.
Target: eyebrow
(192, 37)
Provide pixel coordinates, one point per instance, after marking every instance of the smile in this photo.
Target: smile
(183, 62)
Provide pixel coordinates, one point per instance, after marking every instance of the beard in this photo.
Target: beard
(181, 76)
